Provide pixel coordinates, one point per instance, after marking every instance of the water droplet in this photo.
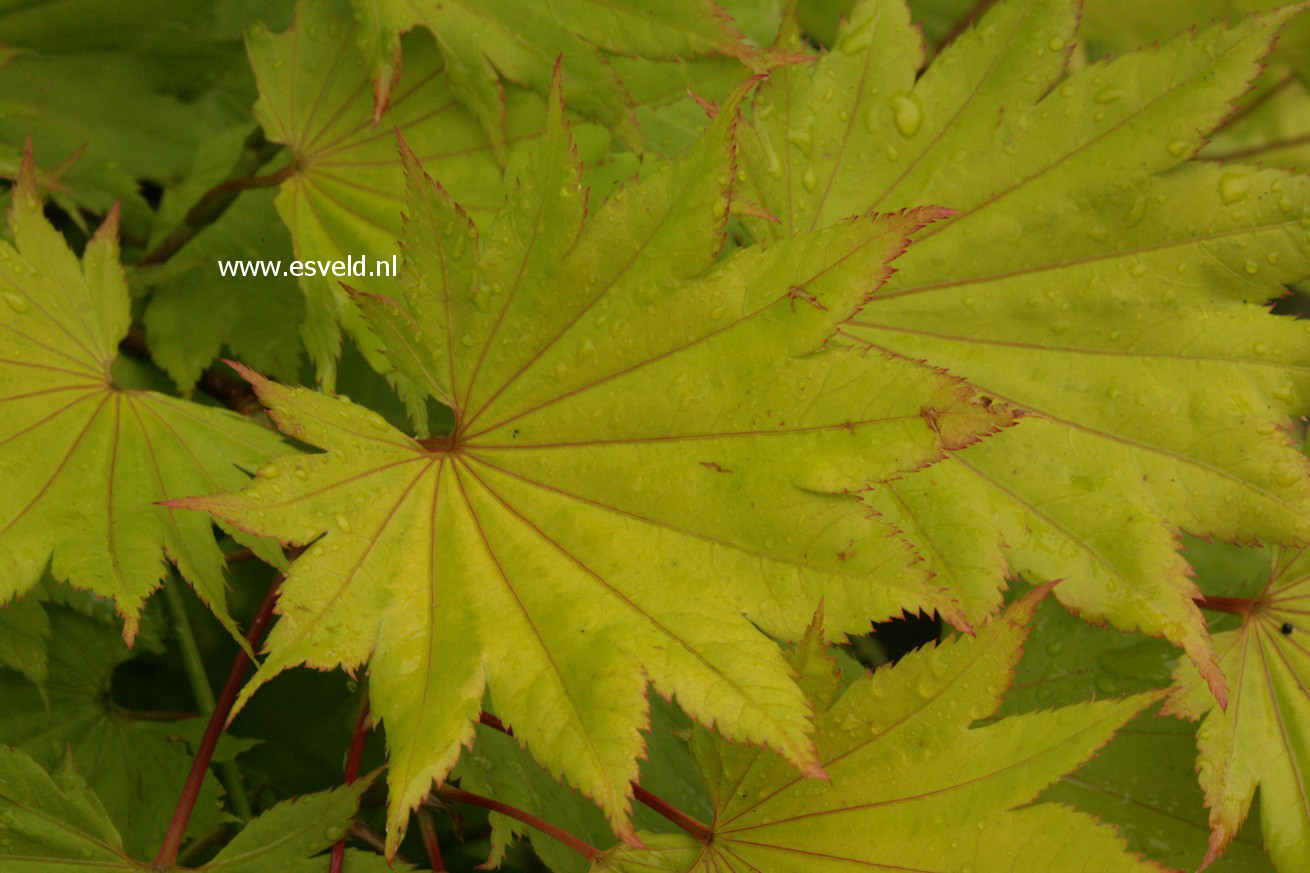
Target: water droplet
(16, 303)
(1056, 43)
(343, 523)
(802, 139)
(1252, 267)
(269, 471)
(1137, 269)
(1178, 147)
(1272, 258)
(907, 113)
(1232, 187)
(1260, 348)
(1286, 474)
(808, 180)
(1107, 95)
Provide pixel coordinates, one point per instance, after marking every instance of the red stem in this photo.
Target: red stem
(1235, 605)
(429, 833)
(701, 832)
(357, 738)
(167, 856)
(591, 853)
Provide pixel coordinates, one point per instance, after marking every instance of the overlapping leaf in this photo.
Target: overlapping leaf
(83, 461)
(911, 786)
(498, 767)
(136, 764)
(1260, 739)
(256, 319)
(1092, 277)
(1144, 780)
(346, 187)
(653, 459)
(57, 823)
(122, 92)
(519, 40)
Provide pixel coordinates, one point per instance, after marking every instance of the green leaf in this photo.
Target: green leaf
(24, 635)
(499, 767)
(1092, 277)
(1144, 780)
(633, 423)
(1260, 739)
(346, 189)
(911, 786)
(288, 838)
(520, 40)
(58, 823)
(134, 763)
(255, 318)
(83, 461)
(173, 70)
(53, 821)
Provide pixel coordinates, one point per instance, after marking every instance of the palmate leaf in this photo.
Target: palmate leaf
(345, 192)
(482, 42)
(58, 823)
(1092, 277)
(346, 187)
(1144, 780)
(171, 71)
(134, 763)
(911, 785)
(1260, 739)
(83, 461)
(647, 459)
(256, 318)
(498, 767)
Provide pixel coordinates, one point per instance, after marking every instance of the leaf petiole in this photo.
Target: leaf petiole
(167, 856)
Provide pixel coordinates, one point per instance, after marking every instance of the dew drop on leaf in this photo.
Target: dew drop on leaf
(1232, 188)
(15, 302)
(907, 113)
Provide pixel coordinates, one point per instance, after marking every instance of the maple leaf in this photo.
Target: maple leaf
(519, 40)
(1144, 780)
(1092, 277)
(24, 634)
(256, 318)
(498, 767)
(1260, 738)
(57, 822)
(133, 762)
(83, 461)
(345, 184)
(169, 67)
(653, 458)
(911, 786)
(345, 181)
